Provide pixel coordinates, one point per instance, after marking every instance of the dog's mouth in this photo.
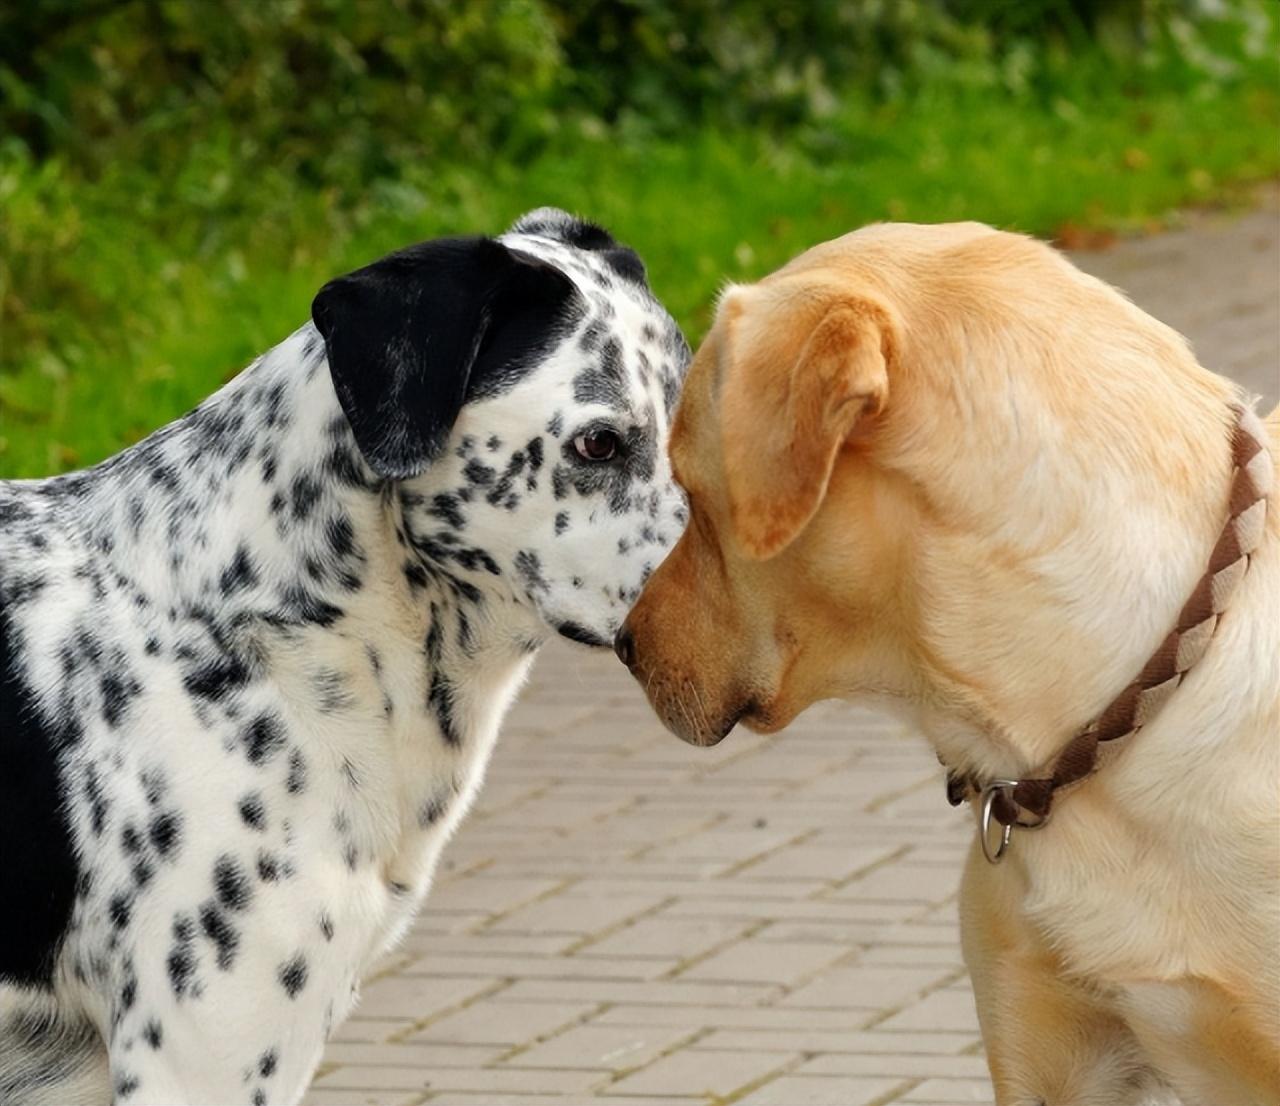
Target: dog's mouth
(582, 635)
(688, 722)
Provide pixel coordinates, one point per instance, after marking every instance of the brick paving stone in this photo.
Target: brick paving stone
(676, 992)
(822, 1090)
(704, 1072)
(461, 1098)
(563, 914)
(561, 1081)
(627, 920)
(500, 1022)
(610, 1048)
(478, 895)
(874, 988)
(753, 962)
(947, 1011)
(412, 1054)
(661, 938)
(895, 1063)
(837, 1044)
(404, 996)
(538, 967)
(359, 1030)
(321, 1096)
(949, 1092)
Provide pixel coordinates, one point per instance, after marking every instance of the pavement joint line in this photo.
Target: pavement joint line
(692, 961)
(886, 1013)
(622, 1073)
(400, 1035)
(755, 1084)
(718, 819)
(743, 865)
(798, 783)
(542, 1038)
(690, 1039)
(394, 962)
(590, 939)
(894, 1095)
(563, 885)
(886, 797)
(840, 884)
(926, 908)
(849, 959)
(503, 808)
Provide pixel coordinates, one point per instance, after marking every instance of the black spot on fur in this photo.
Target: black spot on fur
(231, 884)
(293, 975)
(269, 867)
(253, 813)
(119, 910)
(263, 738)
(217, 679)
(304, 493)
(165, 832)
(529, 566)
(446, 508)
(181, 962)
(296, 783)
(239, 575)
(153, 1033)
(440, 700)
(267, 1063)
(215, 926)
(477, 472)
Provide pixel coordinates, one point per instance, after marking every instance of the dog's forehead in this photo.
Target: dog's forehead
(627, 352)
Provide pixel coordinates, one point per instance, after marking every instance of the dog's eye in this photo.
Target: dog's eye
(598, 445)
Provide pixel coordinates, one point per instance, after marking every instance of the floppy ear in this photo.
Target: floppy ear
(413, 336)
(790, 395)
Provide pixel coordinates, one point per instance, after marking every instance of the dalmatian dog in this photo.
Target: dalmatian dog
(252, 668)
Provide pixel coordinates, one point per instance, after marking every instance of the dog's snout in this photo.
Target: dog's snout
(625, 646)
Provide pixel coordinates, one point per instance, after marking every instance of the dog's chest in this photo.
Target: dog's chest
(396, 779)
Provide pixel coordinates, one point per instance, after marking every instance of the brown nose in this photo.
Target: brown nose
(625, 646)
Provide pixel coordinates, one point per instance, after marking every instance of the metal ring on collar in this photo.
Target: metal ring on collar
(994, 856)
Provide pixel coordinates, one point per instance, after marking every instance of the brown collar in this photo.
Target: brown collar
(1027, 803)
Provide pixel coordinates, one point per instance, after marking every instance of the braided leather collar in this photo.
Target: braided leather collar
(1026, 803)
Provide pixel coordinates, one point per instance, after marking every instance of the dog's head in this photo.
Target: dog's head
(916, 459)
(519, 392)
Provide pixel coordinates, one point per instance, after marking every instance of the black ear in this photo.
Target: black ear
(551, 222)
(412, 337)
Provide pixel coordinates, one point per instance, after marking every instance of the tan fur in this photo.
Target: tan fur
(941, 467)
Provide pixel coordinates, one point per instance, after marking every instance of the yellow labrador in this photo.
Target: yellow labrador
(941, 467)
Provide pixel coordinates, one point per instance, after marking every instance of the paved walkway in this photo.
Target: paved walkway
(627, 920)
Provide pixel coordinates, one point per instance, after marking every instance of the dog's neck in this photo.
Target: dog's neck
(1072, 613)
(257, 509)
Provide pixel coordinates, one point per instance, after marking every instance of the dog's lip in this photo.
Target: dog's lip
(709, 738)
(575, 631)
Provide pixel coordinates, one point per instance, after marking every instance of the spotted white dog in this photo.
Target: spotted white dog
(252, 669)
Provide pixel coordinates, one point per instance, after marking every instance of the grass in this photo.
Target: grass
(129, 303)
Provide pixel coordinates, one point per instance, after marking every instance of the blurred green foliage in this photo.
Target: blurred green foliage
(337, 92)
(178, 176)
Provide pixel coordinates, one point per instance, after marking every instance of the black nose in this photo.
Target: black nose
(625, 646)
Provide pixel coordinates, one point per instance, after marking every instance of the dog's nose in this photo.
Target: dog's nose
(625, 646)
